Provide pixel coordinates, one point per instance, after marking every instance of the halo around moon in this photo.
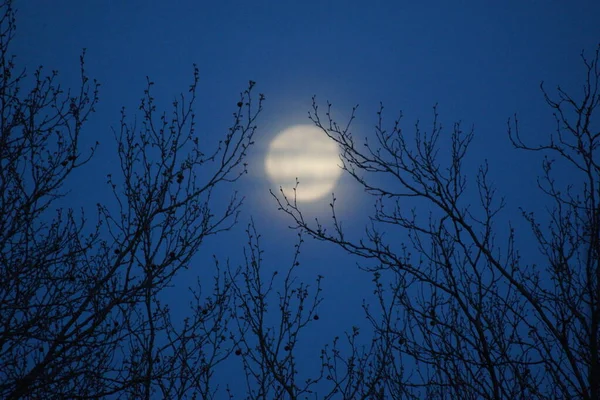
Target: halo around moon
(306, 153)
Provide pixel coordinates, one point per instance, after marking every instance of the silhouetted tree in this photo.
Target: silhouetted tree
(460, 314)
(80, 315)
(270, 319)
(276, 310)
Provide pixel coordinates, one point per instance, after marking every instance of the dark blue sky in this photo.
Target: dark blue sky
(480, 61)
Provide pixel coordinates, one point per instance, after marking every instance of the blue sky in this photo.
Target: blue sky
(481, 61)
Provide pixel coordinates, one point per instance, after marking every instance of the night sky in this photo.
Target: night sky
(480, 61)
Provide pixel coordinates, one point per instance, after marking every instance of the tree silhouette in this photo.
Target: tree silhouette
(460, 314)
(80, 315)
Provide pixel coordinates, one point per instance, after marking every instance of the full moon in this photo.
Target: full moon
(306, 153)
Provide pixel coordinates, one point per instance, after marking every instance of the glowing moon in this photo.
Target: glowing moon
(306, 153)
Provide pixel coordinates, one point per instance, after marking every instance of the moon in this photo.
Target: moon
(306, 153)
